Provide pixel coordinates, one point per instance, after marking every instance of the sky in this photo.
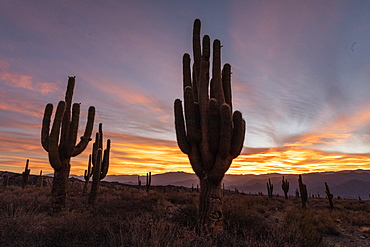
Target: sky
(300, 77)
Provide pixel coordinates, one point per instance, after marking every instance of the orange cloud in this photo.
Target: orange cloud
(287, 160)
(18, 80)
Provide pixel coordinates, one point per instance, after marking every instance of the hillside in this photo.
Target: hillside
(346, 184)
(126, 215)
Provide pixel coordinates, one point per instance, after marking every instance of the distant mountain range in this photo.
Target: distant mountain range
(346, 184)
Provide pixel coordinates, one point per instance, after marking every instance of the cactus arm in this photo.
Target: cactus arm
(192, 124)
(105, 162)
(54, 158)
(180, 128)
(196, 48)
(213, 125)
(46, 127)
(81, 146)
(186, 73)
(238, 135)
(226, 84)
(73, 130)
(64, 132)
(88, 173)
(216, 73)
(226, 131)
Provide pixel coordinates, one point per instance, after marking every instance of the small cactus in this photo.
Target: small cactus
(270, 188)
(138, 181)
(25, 175)
(303, 191)
(40, 180)
(87, 176)
(329, 195)
(148, 181)
(285, 187)
(100, 163)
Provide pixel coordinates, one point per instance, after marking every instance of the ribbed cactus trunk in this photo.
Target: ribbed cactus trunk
(60, 183)
(209, 133)
(60, 141)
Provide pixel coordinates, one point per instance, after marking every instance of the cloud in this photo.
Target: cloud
(18, 80)
(4, 64)
(297, 160)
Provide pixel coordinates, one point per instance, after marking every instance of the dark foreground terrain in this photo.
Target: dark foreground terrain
(166, 216)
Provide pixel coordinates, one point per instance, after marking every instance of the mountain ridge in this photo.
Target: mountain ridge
(358, 182)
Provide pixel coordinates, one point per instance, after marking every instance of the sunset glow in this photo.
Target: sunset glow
(301, 78)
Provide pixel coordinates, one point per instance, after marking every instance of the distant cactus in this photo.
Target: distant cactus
(100, 163)
(329, 195)
(25, 175)
(60, 142)
(270, 188)
(87, 176)
(148, 181)
(40, 180)
(296, 193)
(138, 181)
(285, 187)
(303, 191)
(210, 134)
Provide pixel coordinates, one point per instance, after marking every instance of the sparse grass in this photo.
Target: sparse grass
(127, 216)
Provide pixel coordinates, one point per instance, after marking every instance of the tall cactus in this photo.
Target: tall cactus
(100, 163)
(270, 189)
(303, 191)
(60, 142)
(285, 187)
(25, 175)
(211, 134)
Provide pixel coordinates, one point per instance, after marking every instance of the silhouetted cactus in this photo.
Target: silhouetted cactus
(303, 191)
(25, 175)
(100, 163)
(40, 180)
(138, 181)
(285, 187)
(210, 134)
(60, 142)
(87, 176)
(329, 195)
(148, 181)
(270, 188)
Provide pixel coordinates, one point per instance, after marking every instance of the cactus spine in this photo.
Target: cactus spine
(329, 195)
(25, 175)
(100, 163)
(148, 181)
(87, 176)
(303, 191)
(60, 142)
(285, 187)
(210, 134)
(270, 188)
